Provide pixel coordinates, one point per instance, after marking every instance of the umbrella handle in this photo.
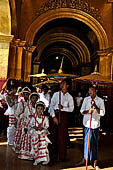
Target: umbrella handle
(88, 140)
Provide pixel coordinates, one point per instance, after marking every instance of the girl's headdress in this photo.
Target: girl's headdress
(26, 90)
(41, 103)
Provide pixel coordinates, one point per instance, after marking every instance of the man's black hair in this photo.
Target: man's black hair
(44, 86)
(93, 86)
(68, 81)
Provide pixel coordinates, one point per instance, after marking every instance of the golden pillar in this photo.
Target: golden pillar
(105, 60)
(27, 62)
(36, 65)
(18, 72)
(5, 37)
(12, 58)
(111, 55)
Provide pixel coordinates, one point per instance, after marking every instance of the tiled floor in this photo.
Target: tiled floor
(9, 160)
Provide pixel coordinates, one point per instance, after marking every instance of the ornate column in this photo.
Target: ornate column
(12, 58)
(18, 66)
(4, 52)
(27, 62)
(105, 60)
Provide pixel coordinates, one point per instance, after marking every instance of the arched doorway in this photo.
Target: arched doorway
(63, 37)
(66, 32)
(68, 13)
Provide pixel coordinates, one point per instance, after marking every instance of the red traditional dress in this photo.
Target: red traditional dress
(39, 139)
(20, 118)
(25, 151)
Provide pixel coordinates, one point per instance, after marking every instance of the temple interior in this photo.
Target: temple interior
(44, 36)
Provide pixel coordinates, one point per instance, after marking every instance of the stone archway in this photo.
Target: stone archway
(68, 13)
(49, 13)
(74, 41)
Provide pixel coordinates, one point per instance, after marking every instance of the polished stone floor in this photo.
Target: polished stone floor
(9, 160)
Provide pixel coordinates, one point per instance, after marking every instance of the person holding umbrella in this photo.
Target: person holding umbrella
(92, 109)
(61, 104)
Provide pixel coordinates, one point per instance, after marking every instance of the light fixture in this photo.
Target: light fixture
(57, 57)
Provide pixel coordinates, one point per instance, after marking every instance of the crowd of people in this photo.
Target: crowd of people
(38, 122)
(33, 121)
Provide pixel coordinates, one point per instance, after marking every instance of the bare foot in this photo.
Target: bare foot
(81, 163)
(96, 168)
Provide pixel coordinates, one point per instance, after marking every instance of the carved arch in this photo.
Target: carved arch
(68, 13)
(62, 51)
(76, 43)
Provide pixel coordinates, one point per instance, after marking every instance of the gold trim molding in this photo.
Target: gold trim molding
(74, 4)
(105, 52)
(29, 48)
(50, 15)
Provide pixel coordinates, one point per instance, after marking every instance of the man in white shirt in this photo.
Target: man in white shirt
(61, 104)
(92, 105)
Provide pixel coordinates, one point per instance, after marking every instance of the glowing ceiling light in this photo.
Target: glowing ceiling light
(57, 58)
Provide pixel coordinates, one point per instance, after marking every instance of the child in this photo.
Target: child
(38, 129)
(12, 100)
(26, 136)
(19, 116)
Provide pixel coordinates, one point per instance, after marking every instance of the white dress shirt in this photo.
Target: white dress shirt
(78, 101)
(66, 101)
(95, 123)
(44, 99)
(47, 96)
